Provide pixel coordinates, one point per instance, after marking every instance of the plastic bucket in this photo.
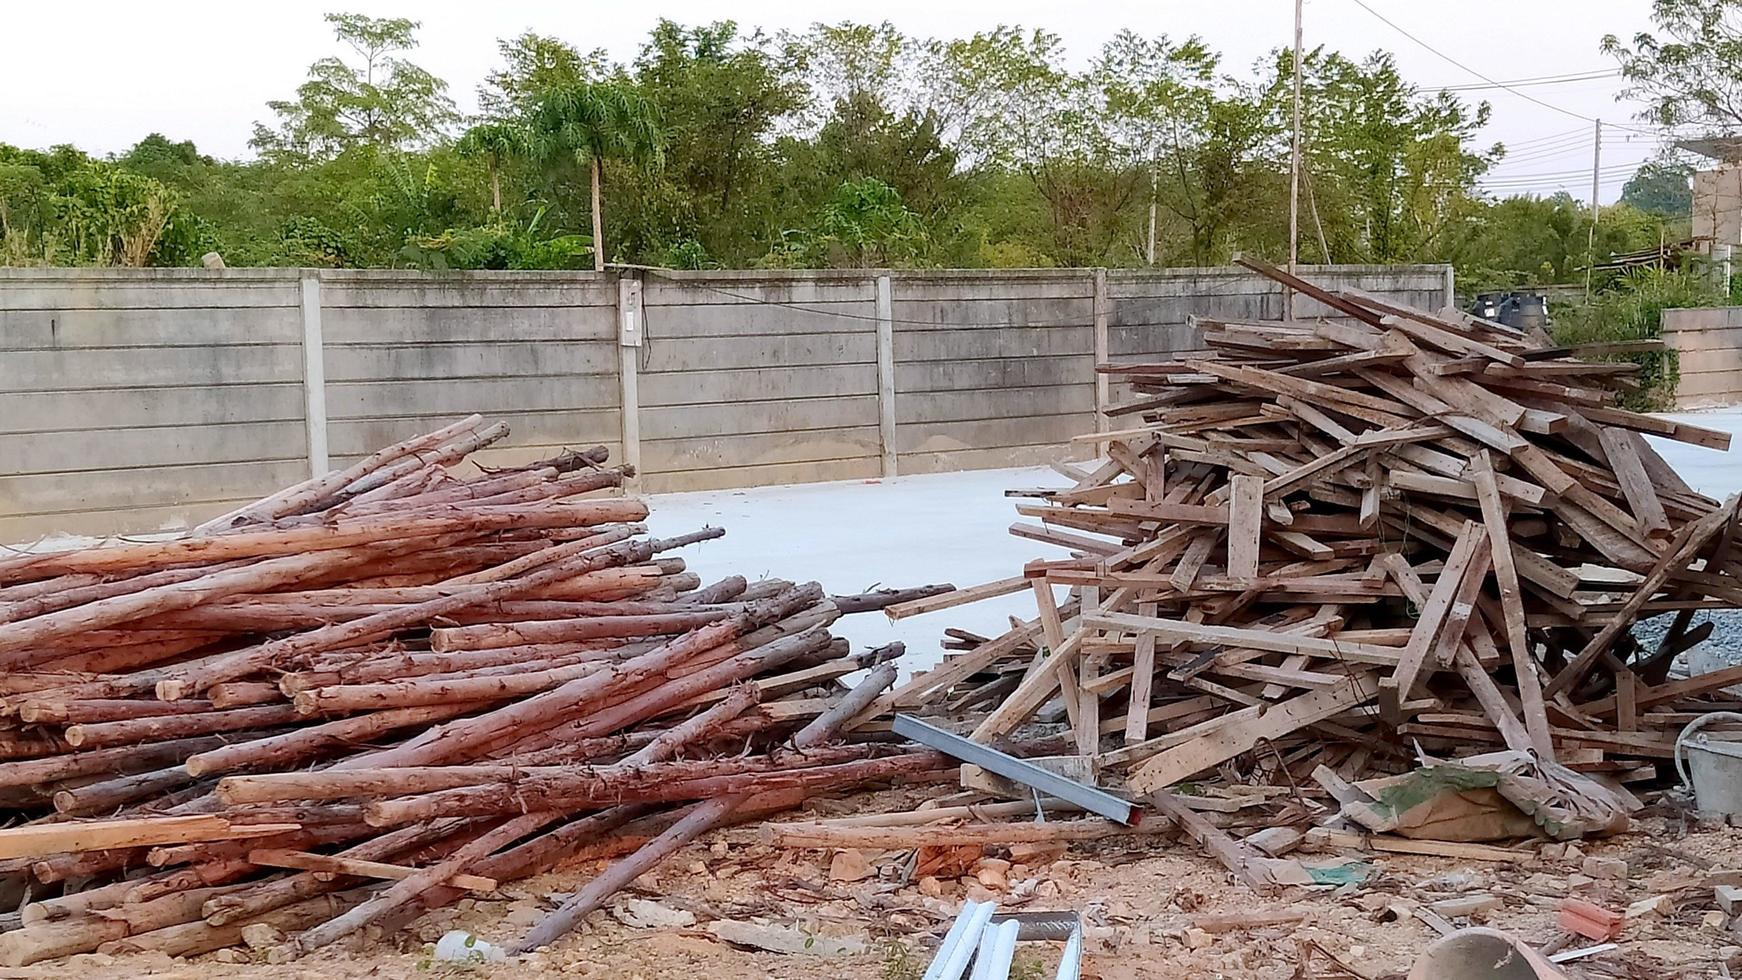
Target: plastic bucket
(1712, 769)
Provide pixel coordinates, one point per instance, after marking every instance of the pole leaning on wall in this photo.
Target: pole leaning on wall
(1103, 388)
(886, 374)
(314, 376)
(629, 334)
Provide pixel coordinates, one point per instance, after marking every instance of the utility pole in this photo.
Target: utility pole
(1596, 207)
(1294, 169)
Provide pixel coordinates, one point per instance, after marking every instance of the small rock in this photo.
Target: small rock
(1468, 906)
(89, 960)
(1574, 853)
(1653, 906)
(1552, 852)
(1710, 819)
(1714, 920)
(849, 864)
(230, 955)
(1101, 939)
(1372, 901)
(1197, 938)
(1604, 867)
(639, 913)
(697, 868)
(931, 887)
(977, 892)
(261, 935)
(994, 874)
(279, 954)
(1036, 854)
(523, 918)
(1729, 898)
(719, 849)
(783, 939)
(1579, 882)
(1047, 888)
(465, 905)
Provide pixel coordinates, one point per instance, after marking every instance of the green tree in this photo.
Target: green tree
(863, 224)
(533, 64)
(590, 122)
(495, 143)
(387, 101)
(721, 95)
(1691, 72)
(1392, 172)
(1661, 187)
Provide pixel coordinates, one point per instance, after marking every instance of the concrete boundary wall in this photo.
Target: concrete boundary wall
(139, 399)
(1708, 346)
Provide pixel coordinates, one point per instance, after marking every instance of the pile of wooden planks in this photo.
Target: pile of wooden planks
(1328, 541)
(367, 694)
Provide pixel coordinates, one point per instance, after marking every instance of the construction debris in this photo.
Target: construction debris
(1336, 544)
(368, 694)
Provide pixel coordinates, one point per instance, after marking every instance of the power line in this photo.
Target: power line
(1552, 137)
(1486, 78)
(1525, 82)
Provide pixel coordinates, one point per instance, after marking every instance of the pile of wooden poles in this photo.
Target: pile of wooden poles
(368, 694)
(1329, 541)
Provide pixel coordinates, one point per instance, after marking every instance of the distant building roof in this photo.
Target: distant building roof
(1725, 148)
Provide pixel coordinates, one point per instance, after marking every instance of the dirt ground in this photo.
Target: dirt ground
(1140, 896)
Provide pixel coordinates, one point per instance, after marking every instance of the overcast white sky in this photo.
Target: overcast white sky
(102, 73)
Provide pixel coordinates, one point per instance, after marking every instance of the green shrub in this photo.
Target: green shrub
(1632, 309)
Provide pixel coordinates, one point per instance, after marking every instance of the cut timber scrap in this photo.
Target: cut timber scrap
(1240, 859)
(1243, 730)
(1526, 671)
(1220, 922)
(42, 840)
(1236, 638)
(959, 597)
(1326, 837)
(906, 838)
(1635, 482)
(1687, 542)
(271, 857)
(1179, 631)
(1245, 526)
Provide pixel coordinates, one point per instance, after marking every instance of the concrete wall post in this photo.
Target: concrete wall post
(886, 373)
(1103, 313)
(314, 375)
(629, 339)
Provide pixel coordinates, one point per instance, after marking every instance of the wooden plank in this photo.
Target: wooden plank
(1524, 664)
(1142, 679)
(1245, 525)
(1635, 484)
(1328, 837)
(1180, 631)
(960, 597)
(1688, 541)
(1430, 619)
(1237, 857)
(1247, 728)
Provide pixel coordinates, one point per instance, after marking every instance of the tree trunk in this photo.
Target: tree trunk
(496, 188)
(598, 220)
